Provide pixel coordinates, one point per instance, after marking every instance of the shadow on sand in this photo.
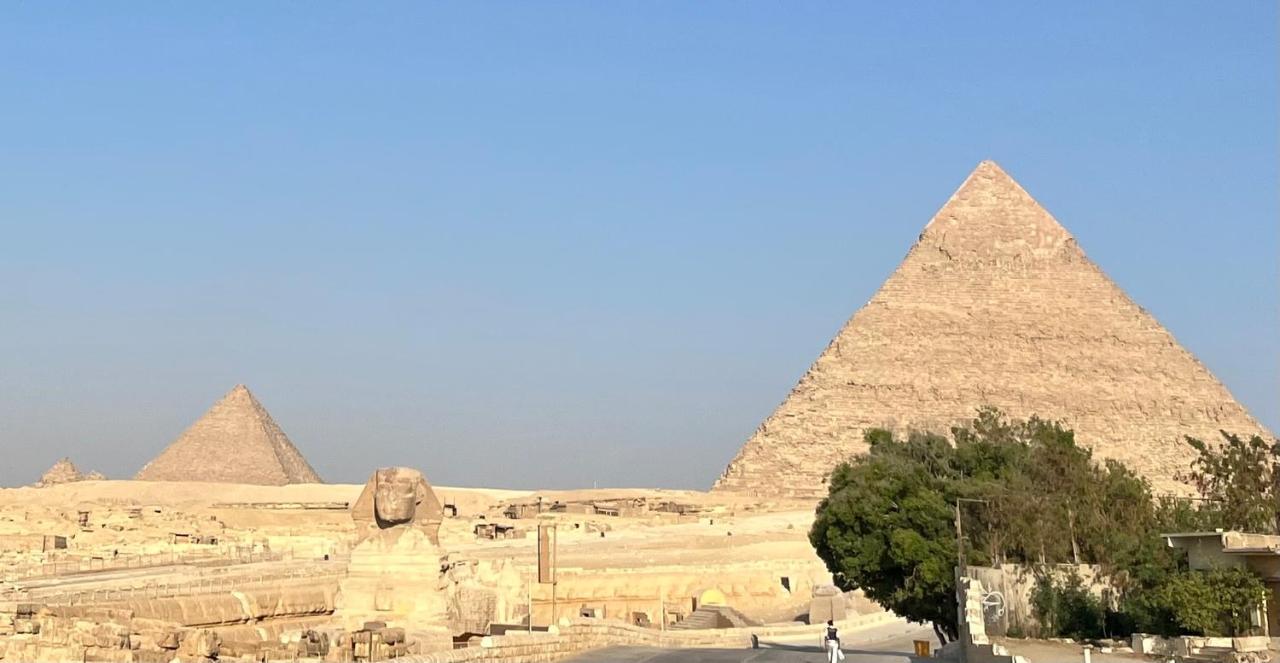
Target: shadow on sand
(910, 656)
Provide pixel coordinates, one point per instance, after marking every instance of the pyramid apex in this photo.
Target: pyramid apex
(240, 393)
(992, 218)
(987, 175)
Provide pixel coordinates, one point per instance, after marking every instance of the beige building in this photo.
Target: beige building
(1259, 553)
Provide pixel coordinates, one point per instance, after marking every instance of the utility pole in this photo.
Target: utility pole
(960, 563)
(959, 543)
(555, 545)
(960, 567)
(547, 539)
(662, 608)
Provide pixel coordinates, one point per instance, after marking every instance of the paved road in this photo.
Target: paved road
(883, 644)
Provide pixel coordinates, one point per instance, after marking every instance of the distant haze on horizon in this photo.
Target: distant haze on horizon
(532, 245)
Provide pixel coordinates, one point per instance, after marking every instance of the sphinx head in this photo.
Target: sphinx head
(395, 495)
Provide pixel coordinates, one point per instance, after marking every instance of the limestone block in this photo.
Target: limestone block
(203, 643)
(1251, 643)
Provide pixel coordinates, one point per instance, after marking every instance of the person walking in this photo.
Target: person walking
(831, 642)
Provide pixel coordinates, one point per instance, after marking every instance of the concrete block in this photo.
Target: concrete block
(1251, 643)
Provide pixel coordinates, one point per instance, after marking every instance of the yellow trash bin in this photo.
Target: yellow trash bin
(922, 648)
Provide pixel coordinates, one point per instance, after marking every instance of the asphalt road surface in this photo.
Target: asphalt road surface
(891, 643)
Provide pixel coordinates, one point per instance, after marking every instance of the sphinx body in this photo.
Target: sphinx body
(396, 571)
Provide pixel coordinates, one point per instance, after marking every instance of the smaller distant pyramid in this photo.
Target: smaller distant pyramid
(236, 441)
(63, 471)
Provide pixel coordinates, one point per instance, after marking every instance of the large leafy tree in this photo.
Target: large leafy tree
(1026, 493)
(887, 525)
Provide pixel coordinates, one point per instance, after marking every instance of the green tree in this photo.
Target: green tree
(887, 525)
(886, 528)
(1217, 602)
(1238, 480)
(1065, 607)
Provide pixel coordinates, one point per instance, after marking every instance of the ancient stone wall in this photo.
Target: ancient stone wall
(622, 594)
(1006, 590)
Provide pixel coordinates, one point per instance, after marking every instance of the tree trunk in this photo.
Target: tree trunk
(942, 637)
(1275, 488)
(1075, 547)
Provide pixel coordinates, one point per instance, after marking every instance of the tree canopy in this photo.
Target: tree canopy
(1028, 494)
(1238, 482)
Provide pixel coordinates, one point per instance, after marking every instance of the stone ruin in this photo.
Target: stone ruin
(828, 604)
(64, 471)
(996, 304)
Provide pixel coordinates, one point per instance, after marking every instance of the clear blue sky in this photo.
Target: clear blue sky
(552, 244)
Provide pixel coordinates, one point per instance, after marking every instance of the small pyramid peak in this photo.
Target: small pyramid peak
(240, 393)
(64, 463)
(63, 471)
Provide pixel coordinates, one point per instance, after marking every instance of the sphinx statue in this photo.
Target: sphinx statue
(394, 501)
(396, 575)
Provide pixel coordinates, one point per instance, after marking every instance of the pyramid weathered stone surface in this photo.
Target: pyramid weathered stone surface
(236, 441)
(63, 471)
(994, 305)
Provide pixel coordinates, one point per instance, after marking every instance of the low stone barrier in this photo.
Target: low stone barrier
(581, 635)
(303, 576)
(237, 607)
(1192, 645)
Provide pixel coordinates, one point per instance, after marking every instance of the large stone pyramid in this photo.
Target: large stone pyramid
(236, 441)
(994, 305)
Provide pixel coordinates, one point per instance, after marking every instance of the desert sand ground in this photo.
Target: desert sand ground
(172, 551)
